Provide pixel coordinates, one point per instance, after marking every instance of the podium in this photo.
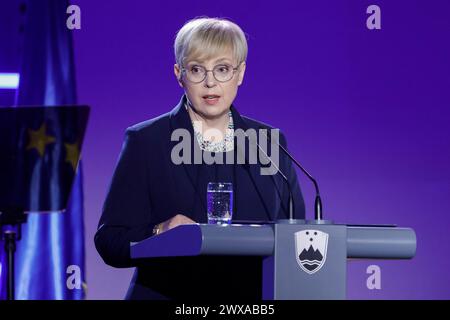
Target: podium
(302, 259)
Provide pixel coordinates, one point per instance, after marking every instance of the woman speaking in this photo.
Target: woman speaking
(151, 192)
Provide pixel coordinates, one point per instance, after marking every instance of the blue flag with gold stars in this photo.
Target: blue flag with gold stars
(39, 159)
(50, 256)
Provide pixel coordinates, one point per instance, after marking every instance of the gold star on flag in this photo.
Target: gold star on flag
(39, 139)
(72, 154)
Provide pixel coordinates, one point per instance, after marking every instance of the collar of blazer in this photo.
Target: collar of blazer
(179, 118)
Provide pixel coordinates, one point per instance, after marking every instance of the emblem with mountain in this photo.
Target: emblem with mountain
(311, 259)
(311, 249)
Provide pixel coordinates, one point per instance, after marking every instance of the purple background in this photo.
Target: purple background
(367, 112)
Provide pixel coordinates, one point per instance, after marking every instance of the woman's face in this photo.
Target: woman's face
(211, 98)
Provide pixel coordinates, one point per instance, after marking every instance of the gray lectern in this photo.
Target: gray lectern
(302, 259)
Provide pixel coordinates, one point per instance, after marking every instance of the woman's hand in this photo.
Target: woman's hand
(177, 220)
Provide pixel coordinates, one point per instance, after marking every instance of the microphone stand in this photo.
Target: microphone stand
(11, 221)
(291, 197)
(318, 215)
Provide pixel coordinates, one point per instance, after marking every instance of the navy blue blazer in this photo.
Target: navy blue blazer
(148, 188)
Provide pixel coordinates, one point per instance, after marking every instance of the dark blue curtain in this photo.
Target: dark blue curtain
(50, 256)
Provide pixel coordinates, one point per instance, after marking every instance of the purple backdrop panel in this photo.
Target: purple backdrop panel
(366, 111)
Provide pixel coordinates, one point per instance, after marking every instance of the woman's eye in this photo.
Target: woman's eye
(195, 69)
(223, 69)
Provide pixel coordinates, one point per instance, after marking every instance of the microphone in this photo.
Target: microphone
(291, 196)
(318, 201)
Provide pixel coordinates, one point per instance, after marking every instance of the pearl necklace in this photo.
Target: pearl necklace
(225, 145)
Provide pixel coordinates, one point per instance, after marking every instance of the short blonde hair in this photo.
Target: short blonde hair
(208, 37)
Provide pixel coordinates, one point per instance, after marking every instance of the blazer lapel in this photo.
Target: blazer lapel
(179, 119)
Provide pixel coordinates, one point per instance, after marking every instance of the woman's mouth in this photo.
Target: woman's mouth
(211, 99)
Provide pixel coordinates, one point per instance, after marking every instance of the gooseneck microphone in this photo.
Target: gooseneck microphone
(291, 196)
(318, 201)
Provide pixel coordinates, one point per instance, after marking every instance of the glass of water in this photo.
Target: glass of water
(219, 200)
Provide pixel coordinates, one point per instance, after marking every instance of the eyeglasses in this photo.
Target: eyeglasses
(221, 72)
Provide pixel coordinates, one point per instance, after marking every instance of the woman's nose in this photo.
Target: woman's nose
(210, 81)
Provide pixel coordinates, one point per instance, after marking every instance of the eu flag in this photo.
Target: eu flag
(50, 256)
